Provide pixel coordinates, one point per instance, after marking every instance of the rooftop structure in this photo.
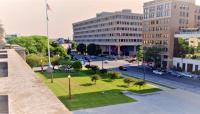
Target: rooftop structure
(21, 92)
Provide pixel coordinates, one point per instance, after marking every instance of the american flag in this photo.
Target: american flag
(48, 7)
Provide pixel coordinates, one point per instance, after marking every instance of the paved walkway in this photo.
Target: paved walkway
(166, 102)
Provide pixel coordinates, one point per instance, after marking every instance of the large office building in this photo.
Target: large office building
(162, 19)
(117, 33)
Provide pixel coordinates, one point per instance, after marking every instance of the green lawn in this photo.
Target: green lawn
(87, 95)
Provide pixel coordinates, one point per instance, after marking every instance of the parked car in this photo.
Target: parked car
(186, 74)
(122, 68)
(93, 57)
(106, 61)
(158, 72)
(174, 73)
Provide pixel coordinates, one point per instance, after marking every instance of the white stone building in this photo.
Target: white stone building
(117, 33)
(188, 65)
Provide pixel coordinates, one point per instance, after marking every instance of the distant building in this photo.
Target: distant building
(191, 35)
(162, 18)
(187, 65)
(117, 33)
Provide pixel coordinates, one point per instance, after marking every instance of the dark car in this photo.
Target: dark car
(122, 68)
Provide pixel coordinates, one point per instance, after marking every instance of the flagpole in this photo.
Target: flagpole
(47, 33)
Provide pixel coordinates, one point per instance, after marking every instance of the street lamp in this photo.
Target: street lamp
(69, 78)
(144, 73)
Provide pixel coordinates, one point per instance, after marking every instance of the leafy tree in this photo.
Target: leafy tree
(181, 47)
(65, 63)
(74, 45)
(81, 48)
(32, 44)
(57, 49)
(139, 54)
(114, 75)
(128, 81)
(93, 49)
(69, 51)
(94, 68)
(55, 61)
(37, 60)
(94, 78)
(152, 54)
(77, 65)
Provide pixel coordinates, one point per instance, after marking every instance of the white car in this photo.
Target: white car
(186, 75)
(158, 72)
(106, 61)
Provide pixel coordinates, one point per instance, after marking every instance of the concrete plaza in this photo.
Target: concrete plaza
(175, 101)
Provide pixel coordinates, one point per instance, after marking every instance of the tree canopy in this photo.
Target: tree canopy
(81, 48)
(93, 49)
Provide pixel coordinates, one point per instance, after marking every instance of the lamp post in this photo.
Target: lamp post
(69, 78)
(102, 62)
(144, 74)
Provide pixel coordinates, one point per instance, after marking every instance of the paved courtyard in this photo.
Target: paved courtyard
(174, 101)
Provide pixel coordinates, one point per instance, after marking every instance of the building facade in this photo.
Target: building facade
(117, 33)
(191, 35)
(187, 65)
(162, 18)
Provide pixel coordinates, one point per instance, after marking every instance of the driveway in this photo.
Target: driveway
(174, 101)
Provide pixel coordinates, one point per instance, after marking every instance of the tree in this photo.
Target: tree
(65, 63)
(93, 49)
(55, 61)
(152, 54)
(37, 60)
(57, 49)
(94, 78)
(74, 45)
(140, 84)
(81, 48)
(77, 65)
(128, 81)
(181, 48)
(94, 68)
(32, 44)
(139, 54)
(114, 75)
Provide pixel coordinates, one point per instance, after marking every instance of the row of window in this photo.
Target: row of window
(109, 18)
(109, 29)
(110, 40)
(109, 35)
(108, 24)
(157, 42)
(155, 35)
(157, 28)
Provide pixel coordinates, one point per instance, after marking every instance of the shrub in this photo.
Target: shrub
(94, 78)
(77, 65)
(87, 66)
(114, 75)
(104, 71)
(140, 84)
(128, 81)
(94, 68)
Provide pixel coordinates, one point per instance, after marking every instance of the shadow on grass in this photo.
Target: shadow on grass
(61, 74)
(124, 86)
(95, 99)
(145, 91)
(86, 84)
